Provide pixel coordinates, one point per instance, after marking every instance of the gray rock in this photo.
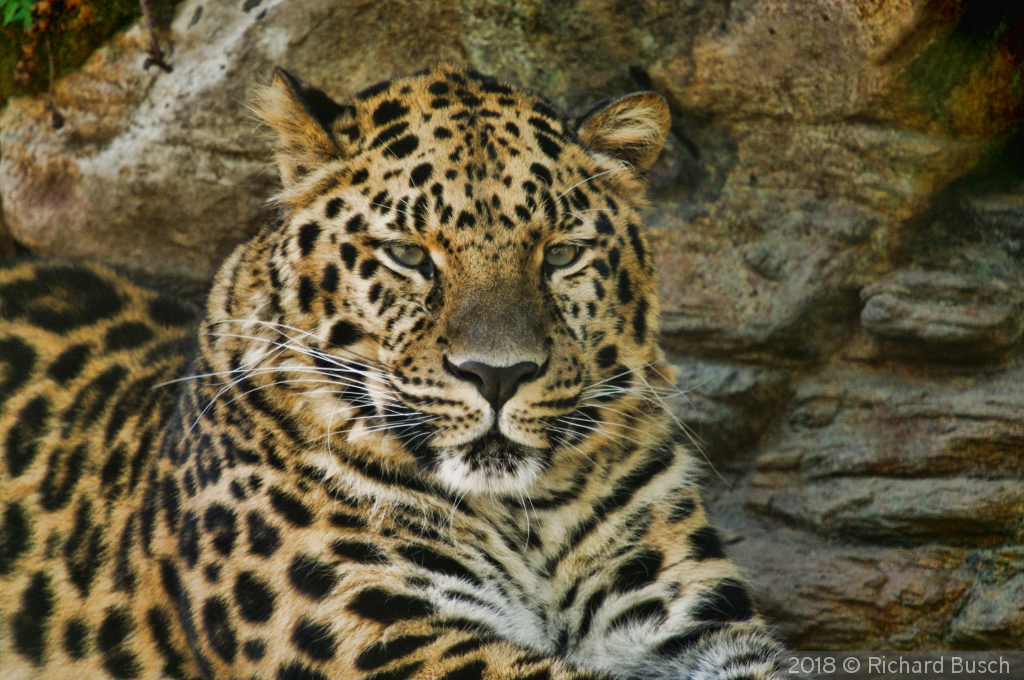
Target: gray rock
(726, 406)
(941, 313)
(859, 424)
(835, 595)
(869, 506)
(992, 618)
(1000, 215)
(781, 293)
(675, 165)
(903, 511)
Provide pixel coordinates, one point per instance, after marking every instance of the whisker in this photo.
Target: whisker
(277, 326)
(565, 442)
(295, 346)
(214, 399)
(340, 381)
(588, 179)
(682, 427)
(389, 208)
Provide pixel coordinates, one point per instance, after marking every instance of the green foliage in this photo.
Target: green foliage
(14, 11)
(71, 41)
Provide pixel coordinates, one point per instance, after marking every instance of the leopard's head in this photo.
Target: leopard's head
(459, 281)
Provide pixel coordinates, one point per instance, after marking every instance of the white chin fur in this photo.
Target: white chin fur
(455, 474)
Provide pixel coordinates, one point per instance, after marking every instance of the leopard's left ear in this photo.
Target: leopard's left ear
(631, 129)
(305, 120)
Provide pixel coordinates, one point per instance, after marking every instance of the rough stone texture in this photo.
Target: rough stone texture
(882, 477)
(943, 312)
(180, 153)
(838, 217)
(992, 617)
(727, 406)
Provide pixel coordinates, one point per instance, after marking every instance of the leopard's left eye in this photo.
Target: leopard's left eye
(562, 255)
(407, 255)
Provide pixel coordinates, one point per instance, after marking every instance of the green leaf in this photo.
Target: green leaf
(17, 10)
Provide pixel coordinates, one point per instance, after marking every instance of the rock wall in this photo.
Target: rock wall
(839, 220)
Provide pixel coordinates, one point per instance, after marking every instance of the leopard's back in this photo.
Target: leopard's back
(86, 363)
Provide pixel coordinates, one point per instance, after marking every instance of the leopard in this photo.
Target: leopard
(419, 431)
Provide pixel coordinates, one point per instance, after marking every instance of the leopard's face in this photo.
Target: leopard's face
(464, 278)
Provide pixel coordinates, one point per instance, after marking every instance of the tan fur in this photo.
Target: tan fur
(332, 490)
(302, 144)
(632, 129)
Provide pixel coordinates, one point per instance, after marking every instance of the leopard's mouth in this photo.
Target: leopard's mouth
(490, 464)
(495, 452)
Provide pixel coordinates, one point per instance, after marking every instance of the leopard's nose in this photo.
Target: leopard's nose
(497, 384)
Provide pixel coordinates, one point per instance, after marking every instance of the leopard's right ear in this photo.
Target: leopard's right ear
(306, 122)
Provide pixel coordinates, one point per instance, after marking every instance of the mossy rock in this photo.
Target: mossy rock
(70, 47)
(971, 81)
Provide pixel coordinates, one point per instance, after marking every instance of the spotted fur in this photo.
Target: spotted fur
(376, 466)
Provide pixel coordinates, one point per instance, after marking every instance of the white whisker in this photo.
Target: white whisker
(588, 179)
